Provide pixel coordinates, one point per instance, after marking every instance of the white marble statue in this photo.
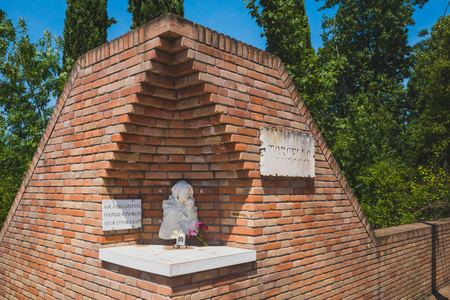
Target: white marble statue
(179, 211)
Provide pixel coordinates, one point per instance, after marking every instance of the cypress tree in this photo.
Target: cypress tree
(144, 11)
(85, 28)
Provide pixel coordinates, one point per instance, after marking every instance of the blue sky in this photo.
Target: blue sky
(226, 16)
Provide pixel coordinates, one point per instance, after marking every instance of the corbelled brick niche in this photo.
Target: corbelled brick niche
(173, 101)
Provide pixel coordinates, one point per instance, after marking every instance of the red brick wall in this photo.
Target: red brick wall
(173, 100)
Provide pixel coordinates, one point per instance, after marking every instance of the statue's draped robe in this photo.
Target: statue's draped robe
(176, 215)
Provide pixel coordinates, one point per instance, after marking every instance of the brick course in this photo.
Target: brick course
(174, 100)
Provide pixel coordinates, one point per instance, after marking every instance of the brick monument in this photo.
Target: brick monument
(174, 101)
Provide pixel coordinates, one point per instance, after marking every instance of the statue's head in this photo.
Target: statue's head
(182, 191)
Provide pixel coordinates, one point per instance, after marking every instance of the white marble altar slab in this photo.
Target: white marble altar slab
(170, 262)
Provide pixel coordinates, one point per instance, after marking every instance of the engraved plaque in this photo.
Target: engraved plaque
(286, 153)
(121, 214)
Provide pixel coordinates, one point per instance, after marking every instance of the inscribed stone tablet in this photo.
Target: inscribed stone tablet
(286, 153)
(121, 214)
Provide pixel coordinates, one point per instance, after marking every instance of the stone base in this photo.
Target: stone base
(170, 262)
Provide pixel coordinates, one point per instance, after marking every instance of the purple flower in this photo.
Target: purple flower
(198, 232)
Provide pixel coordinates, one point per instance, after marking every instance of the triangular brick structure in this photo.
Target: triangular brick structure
(173, 100)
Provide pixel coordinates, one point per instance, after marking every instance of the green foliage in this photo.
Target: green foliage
(286, 28)
(373, 37)
(370, 103)
(384, 197)
(429, 91)
(85, 28)
(415, 186)
(29, 77)
(391, 143)
(396, 194)
(144, 11)
(428, 132)
(317, 87)
(367, 136)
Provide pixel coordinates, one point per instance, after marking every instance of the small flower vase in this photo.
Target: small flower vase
(180, 241)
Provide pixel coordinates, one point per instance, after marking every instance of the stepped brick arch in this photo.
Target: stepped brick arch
(172, 101)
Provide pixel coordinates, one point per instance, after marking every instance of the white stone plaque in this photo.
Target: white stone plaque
(286, 153)
(121, 214)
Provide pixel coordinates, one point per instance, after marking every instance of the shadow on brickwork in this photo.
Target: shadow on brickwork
(437, 249)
